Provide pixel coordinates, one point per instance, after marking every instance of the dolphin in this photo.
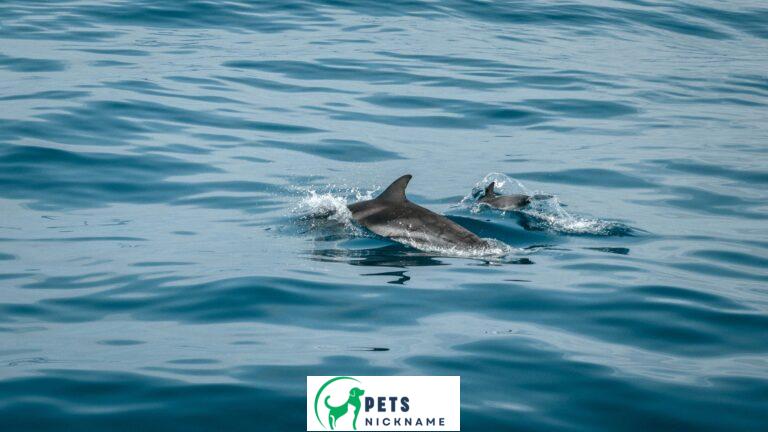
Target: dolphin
(391, 215)
(503, 202)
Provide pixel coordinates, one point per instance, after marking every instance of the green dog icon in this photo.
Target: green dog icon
(339, 411)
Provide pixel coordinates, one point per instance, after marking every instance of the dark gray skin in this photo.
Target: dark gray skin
(391, 215)
(503, 202)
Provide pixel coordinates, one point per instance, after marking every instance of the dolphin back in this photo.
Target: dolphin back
(391, 215)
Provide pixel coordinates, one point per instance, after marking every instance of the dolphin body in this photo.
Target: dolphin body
(391, 215)
(503, 202)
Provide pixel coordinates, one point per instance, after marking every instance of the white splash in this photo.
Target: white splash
(554, 216)
(319, 208)
(320, 204)
(545, 211)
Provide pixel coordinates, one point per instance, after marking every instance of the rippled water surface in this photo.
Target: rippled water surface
(164, 167)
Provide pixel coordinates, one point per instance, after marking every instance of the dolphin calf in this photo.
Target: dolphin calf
(391, 215)
(503, 202)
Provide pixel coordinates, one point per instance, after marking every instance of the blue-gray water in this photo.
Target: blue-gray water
(157, 160)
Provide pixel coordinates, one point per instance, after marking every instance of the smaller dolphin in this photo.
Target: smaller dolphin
(503, 202)
(391, 215)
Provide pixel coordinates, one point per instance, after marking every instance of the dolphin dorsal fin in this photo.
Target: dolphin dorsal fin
(489, 192)
(396, 191)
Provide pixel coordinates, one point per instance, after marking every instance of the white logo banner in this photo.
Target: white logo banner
(383, 403)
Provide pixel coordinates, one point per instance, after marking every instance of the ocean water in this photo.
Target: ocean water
(165, 168)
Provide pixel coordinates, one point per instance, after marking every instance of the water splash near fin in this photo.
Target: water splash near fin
(545, 212)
